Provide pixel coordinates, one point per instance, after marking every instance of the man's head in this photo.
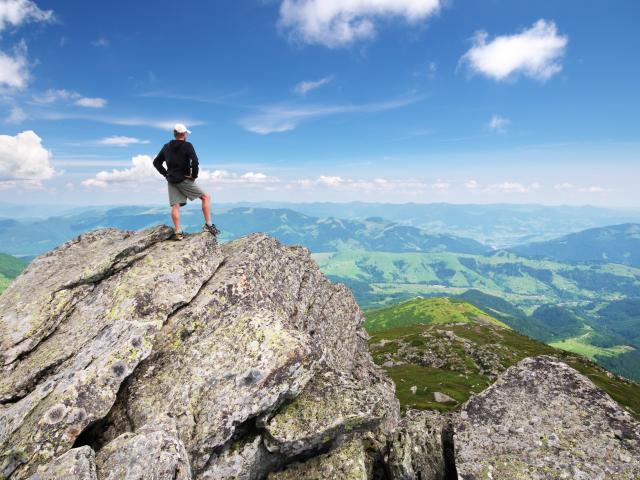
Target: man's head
(180, 131)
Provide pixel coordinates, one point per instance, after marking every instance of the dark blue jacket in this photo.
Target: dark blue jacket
(181, 160)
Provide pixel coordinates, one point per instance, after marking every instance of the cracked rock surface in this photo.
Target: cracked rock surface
(544, 420)
(124, 355)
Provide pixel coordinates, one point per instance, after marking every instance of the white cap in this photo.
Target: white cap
(180, 128)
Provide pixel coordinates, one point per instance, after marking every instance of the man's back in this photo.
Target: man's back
(181, 160)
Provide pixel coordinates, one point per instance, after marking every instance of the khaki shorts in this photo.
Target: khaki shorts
(180, 192)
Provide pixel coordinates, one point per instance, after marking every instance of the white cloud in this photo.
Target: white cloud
(17, 115)
(337, 23)
(564, 186)
(166, 125)
(364, 185)
(121, 141)
(101, 42)
(441, 185)
(305, 87)
(224, 177)
(498, 124)
(284, 118)
(535, 52)
(16, 12)
(14, 70)
(512, 187)
(53, 96)
(142, 169)
(592, 189)
(24, 159)
(471, 185)
(91, 102)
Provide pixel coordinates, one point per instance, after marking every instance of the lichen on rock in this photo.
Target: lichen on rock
(543, 419)
(126, 330)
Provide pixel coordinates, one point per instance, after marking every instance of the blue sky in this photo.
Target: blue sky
(463, 101)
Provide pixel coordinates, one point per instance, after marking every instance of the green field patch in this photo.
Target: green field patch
(581, 346)
(439, 310)
(429, 380)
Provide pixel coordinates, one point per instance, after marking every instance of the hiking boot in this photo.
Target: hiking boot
(177, 237)
(212, 229)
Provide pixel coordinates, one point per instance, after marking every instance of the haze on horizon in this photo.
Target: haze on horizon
(311, 100)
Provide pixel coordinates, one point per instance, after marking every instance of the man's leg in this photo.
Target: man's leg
(175, 216)
(206, 208)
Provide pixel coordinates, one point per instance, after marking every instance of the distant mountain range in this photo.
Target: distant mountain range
(611, 244)
(500, 225)
(32, 237)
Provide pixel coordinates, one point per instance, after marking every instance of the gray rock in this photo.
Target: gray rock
(106, 337)
(152, 453)
(542, 419)
(331, 405)
(347, 462)
(76, 464)
(416, 449)
(442, 397)
(247, 459)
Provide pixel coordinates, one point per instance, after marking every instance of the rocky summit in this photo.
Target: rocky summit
(124, 355)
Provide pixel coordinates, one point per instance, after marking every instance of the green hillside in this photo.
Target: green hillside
(380, 278)
(458, 359)
(426, 310)
(10, 268)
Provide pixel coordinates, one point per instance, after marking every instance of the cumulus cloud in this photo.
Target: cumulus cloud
(563, 186)
(513, 187)
(121, 141)
(16, 12)
(284, 118)
(498, 124)
(535, 52)
(14, 69)
(142, 169)
(363, 185)
(337, 23)
(305, 87)
(23, 159)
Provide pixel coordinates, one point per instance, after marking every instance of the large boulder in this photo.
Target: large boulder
(139, 348)
(544, 420)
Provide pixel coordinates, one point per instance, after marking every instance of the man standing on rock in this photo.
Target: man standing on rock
(181, 174)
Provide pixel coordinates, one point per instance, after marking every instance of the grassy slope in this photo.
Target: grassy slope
(493, 347)
(426, 310)
(379, 278)
(10, 268)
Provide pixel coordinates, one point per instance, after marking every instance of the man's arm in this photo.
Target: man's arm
(158, 161)
(194, 167)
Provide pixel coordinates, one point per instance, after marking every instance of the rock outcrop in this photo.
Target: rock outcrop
(542, 419)
(124, 355)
